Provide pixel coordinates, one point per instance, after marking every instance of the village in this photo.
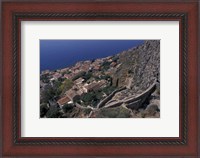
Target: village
(87, 83)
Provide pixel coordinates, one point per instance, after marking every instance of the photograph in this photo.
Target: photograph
(99, 78)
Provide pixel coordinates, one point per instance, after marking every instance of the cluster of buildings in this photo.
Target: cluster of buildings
(82, 66)
(79, 86)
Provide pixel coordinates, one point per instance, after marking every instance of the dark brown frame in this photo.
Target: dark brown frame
(185, 12)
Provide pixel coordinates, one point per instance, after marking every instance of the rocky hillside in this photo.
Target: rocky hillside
(141, 63)
(139, 71)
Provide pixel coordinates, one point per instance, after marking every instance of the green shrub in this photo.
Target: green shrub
(53, 112)
(43, 109)
(106, 77)
(87, 111)
(66, 85)
(88, 97)
(47, 94)
(87, 76)
(67, 107)
(80, 74)
(115, 58)
(44, 78)
(105, 65)
(116, 112)
(109, 89)
(158, 91)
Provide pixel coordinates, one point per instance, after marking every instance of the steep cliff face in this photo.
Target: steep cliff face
(140, 64)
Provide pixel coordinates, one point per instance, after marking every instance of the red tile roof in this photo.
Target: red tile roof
(63, 100)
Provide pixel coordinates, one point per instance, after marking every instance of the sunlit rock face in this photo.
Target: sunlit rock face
(141, 63)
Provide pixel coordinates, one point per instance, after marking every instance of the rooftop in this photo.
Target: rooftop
(63, 100)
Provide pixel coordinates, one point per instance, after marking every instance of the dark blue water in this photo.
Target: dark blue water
(57, 54)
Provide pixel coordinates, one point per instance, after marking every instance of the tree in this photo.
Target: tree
(80, 74)
(51, 92)
(88, 97)
(92, 98)
(106, 77)
(76, 99)
(98, 94)
(67, 107)
(56, 86)
(116, 112)
(115, 58)
(106, 65)
(87, 76)
(43, 109)
(68, 72)
(65, 86)
(47, 94)
(109, 89)
(44, 78)
(61, 79)
(53, 112)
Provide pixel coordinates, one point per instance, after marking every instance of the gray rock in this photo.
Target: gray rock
(151, 110)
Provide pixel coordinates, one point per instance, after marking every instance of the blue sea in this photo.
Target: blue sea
(57, 54)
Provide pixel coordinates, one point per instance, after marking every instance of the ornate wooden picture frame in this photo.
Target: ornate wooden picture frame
(187, 144)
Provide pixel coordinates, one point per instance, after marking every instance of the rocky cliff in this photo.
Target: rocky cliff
(140, 64)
